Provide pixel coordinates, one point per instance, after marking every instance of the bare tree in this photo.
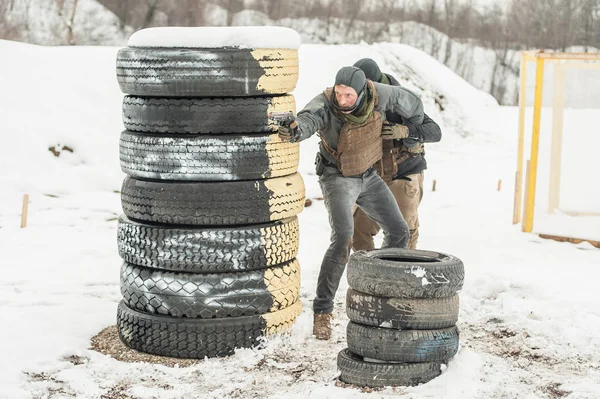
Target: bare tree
(383, 19)
(353, 7)
(589, 15)
(68, 17)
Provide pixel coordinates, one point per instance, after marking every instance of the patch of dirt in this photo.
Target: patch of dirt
(503, 341)
(76, 360)
(108, 343)
(503, 332)
(117, 392)
(57, 149)
(342, 384)
(37, 377)
(553, 390)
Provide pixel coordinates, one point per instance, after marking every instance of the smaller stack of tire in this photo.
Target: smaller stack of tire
(403, 308)
(210, 234)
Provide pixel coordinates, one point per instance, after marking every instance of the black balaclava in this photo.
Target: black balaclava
(352, 77)
(370, 68)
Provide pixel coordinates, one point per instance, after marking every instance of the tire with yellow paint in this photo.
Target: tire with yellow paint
(208, 250)
(206, 72)
(213, 203)
(207, 157)
(199, 338)
(204, 115)
(210, 295)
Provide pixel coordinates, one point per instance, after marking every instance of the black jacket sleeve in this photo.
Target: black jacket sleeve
(427, 132)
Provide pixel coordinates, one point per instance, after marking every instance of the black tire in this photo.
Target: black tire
(208, 72)
(208, 250)
(355, 370)
(199, 338)
(204, 115)
(207, 158)
(401, 313)
(213, 203)
(405, 273)
(407, 346)
(211, 295)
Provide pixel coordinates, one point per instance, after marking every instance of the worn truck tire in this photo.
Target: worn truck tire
(206, 72)
(208, 250)
(407, 346)
(198, 338)
(210, 295)
(207, 158)
(405, 273)
(401, 313)
(355, 370)
(213, 203)
(204, 115)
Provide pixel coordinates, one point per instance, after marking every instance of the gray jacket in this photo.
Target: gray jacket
(317, 115)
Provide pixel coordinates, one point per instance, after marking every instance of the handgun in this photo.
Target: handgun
(282, 118)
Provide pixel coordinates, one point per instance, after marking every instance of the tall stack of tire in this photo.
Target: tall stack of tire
(403, 308)
(209, 235)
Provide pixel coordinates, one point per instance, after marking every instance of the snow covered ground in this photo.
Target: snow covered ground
(529, 315)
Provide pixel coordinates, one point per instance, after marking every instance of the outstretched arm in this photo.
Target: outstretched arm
(313, 117)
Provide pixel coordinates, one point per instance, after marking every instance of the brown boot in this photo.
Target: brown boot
(322, 326)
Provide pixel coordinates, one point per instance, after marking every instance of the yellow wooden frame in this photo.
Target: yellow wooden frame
(540, 57)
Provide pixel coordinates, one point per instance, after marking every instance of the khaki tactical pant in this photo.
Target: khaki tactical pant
(408, 194)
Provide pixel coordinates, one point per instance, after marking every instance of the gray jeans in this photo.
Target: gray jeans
(373, 196)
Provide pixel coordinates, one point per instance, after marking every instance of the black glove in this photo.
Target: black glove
(288, 131)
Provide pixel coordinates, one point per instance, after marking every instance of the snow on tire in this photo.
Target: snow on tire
(355, 370)
(401, 313)
(405, 273)
(213, 203)
(207, 158)
(210, 295)
(206, 72)
(199, 338)
(205, 249)
(203, 115)
(408, 346)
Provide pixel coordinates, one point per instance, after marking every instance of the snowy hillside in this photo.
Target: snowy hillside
(478, 65)
(528, 314)
(40, 22)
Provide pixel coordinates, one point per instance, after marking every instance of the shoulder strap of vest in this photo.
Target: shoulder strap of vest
(330, 150)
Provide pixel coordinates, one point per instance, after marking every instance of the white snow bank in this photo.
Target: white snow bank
(529, 318)
(214, 37)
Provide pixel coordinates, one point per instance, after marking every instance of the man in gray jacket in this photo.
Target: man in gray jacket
(349, 118)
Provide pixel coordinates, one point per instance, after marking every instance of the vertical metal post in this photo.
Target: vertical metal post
(521, 144)
(535, 146)
(558, 105)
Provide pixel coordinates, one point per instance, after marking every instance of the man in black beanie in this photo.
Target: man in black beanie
(349, 119)
(401, 166)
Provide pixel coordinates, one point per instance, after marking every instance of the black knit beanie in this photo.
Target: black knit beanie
(370, 68)
(352, 77)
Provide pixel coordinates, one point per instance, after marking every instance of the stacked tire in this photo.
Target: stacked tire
(403, 308)
(209, 235)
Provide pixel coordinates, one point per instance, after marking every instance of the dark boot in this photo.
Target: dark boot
(322, 326)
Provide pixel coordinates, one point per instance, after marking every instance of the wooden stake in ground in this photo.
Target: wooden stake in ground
(433, 188)
(24, 213)
(499, 185)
